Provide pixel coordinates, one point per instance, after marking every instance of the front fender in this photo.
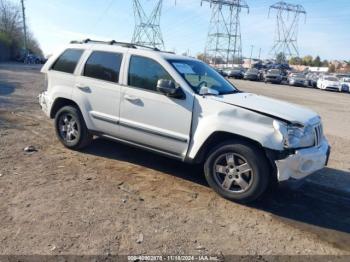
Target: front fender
(233, 120)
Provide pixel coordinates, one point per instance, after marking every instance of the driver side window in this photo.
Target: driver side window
(144, 73)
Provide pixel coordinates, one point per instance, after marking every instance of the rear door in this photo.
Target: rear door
(148, 117)
(98, 90)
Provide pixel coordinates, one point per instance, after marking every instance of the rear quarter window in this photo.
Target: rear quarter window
(68, 61)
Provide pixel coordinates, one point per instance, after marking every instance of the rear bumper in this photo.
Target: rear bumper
(251, 77)
(297, 83)
(236, 76)
(303, 163)
(273, 80)
(44, 103)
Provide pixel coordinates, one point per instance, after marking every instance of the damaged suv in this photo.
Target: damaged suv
(181, 108)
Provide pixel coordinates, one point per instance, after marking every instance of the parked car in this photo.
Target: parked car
(33, 59)
(181, 108)
(274, 76)
(221, 72)
(328, 82)
(253, 75)
(345, 84)
(312, 79)
(341, 76)
(297, 79)
(235, 73)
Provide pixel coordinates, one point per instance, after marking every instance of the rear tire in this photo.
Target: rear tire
(238, 171)
(71, 129)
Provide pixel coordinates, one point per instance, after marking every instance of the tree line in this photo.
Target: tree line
(309, 61)
(312, 62)
(12, 33)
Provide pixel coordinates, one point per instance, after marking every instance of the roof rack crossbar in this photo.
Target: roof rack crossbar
(113, 42)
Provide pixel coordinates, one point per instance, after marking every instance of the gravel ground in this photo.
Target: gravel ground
(113, 199)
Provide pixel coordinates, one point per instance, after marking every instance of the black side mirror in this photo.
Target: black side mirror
(168, 88)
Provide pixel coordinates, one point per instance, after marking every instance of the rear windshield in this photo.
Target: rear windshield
(274, 71)
(253, 71)
(298, 76)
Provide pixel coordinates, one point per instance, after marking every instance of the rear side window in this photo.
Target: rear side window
(68, 61)
(104, 66)
(144, 73)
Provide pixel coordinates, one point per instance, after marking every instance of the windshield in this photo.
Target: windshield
(253, 71)
(198, 74)
(274, 71)
(332, 79)
(298, 76)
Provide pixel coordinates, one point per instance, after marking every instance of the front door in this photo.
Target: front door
(148, 117)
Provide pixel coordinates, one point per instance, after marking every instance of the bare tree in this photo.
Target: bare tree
(11, 27)
(10, 20)
(33, 44)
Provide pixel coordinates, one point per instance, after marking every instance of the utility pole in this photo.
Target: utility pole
(147, 27)
(224, 40)
(24, 28)
(251, 55)
(259, 53)
(287, 25)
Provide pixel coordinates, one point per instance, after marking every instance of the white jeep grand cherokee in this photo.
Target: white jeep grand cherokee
(182, 108)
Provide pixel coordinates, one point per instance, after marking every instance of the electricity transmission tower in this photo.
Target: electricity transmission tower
(147, 27)
(224, 42)
(286, 35)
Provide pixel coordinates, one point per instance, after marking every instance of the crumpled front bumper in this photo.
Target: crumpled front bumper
(44, 103)
(303, 163)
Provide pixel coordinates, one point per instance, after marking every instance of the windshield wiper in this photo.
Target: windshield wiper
(231, 93)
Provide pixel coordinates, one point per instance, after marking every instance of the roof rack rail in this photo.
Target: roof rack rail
(113, 42)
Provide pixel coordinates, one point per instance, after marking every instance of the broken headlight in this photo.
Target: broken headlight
(294, 135)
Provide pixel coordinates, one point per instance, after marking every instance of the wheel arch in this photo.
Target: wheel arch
(221, 137)
(59, 103)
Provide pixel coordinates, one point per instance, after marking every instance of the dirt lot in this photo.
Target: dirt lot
(102, 200)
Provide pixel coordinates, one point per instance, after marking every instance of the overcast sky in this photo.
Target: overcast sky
(56, 22)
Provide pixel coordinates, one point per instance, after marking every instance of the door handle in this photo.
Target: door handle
(131, 98)
(83, 88)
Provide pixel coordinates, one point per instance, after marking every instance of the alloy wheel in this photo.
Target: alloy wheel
(233, 173)
(68, 128)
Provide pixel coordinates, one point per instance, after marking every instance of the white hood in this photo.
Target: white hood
(283, 110)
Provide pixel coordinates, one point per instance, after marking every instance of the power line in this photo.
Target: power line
(104, 13)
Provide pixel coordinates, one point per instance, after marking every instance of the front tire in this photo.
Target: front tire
(71, 129)
(237, 171)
